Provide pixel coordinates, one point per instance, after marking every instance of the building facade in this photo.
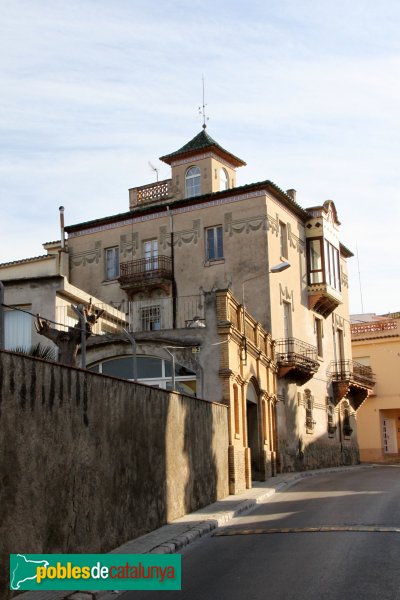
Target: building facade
(376, 346)
(198, 232)
(233, 293)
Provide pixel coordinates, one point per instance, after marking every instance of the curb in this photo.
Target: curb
(177, 543)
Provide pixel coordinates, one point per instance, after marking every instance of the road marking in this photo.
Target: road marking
(333, 528)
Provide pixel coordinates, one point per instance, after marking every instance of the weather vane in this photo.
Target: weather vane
(202, 109)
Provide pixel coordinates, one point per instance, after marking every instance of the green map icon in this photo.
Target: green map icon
(24, 569)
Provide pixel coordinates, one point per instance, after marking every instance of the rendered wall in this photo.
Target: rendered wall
(89, 462)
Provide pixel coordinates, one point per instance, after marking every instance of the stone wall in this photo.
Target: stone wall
(88, 462)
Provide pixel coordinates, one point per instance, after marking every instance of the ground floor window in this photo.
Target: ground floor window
(150, 370)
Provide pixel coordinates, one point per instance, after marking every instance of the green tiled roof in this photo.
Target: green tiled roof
(200, 142)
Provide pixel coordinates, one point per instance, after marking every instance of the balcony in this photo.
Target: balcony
(352, 379)
(153, 193)
(156, 314)
(323, 299)
(146, 274)
(297, 361)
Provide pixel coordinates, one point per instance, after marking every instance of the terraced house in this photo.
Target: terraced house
(236, 294)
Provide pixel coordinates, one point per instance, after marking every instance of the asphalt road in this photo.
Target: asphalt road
(346, 562)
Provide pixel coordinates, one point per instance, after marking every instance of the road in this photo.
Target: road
(337, 564)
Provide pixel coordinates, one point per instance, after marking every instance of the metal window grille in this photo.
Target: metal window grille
(150, 317)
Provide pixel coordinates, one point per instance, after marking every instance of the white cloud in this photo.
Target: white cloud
(307, 93)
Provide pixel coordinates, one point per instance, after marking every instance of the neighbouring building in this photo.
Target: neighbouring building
(245, 292)
(40, 285)
(376, 347)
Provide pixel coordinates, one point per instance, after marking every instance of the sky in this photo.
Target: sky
(307, 92)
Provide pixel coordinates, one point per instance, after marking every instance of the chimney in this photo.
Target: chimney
(292, 194)
(61, 209)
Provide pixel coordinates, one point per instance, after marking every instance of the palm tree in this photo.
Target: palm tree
(39, 351)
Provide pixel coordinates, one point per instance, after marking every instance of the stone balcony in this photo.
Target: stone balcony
(152, 193)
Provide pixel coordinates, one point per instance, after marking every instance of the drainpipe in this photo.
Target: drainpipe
(174, 294)
(2, 332)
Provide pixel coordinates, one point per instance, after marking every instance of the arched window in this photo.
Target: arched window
(150, 370)
(223, 180)
(193, 182)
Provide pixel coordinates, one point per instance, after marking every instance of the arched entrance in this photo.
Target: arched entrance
(253, 418)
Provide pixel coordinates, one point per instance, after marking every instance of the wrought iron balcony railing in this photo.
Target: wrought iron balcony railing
(296, 359)
(353, 372)
(145, 270)
(291, 351)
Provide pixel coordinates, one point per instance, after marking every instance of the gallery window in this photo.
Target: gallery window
(323, 263)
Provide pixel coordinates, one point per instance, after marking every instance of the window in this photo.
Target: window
(112, 263)
(332, 266)
(283, 239)
(309, 404)
(340, 345)
(223, 180)
(287, 320)
(347, 429)
(319, 334)
(323, 263)
(315, 270)
(150, 317)
(150, 370)
(150, 254)
(214, 245)
(193, 182)
(331, 420)
(18, 330)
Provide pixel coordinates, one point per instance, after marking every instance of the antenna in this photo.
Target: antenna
(153, 168)
(359, 280)
(202, 109)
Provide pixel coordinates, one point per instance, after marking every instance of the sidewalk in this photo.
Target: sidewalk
(175, 536)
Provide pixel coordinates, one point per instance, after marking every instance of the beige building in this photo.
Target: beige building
(198, 232)
(40, 285)
(376, 345)
(246, 292)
